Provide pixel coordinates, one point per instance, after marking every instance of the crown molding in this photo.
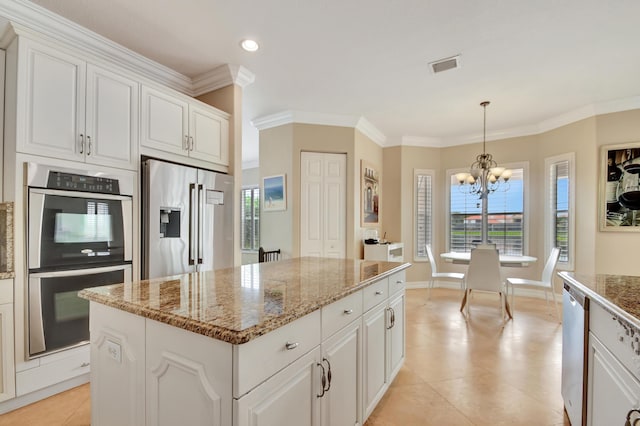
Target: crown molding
(323, 119)
(371, 131)
(578, 114)
(36, 22)
(222, 76)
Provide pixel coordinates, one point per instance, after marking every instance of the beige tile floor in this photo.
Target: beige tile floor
(476, 371)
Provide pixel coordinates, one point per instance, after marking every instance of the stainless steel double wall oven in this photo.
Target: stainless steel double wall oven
(79, 236)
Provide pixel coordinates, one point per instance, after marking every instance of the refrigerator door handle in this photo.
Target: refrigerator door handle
(192, 223)
(201, 195)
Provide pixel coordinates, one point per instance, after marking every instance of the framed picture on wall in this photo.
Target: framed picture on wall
(619, 188)
(370, 200)
(274, 193)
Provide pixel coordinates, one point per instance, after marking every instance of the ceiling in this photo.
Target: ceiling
(534, 60)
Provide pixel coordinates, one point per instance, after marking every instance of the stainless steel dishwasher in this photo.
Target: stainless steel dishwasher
(575, 328)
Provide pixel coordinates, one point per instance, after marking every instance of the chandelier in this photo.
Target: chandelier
(484, 176)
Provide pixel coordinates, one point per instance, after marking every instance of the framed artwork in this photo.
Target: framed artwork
(274, 193)
(370, 187)
(619, 188)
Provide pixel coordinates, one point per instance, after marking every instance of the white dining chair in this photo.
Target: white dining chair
(435, 275)
(484, 275)
(545, 283)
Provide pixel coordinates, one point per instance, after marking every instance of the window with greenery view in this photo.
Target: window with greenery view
(250, 211)
(506, 216)
(559, 221)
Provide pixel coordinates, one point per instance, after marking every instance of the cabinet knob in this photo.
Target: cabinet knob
(291, 345)
(378, 293)
(348, 311)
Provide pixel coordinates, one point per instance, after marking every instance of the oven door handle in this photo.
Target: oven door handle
(79, 194)
(76, 272)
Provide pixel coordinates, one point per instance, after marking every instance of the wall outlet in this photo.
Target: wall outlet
(114, 350)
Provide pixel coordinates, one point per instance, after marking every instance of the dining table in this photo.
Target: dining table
(505, 259)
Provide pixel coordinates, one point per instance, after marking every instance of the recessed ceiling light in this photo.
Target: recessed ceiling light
(250, 45)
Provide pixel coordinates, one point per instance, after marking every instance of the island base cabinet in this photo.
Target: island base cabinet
(117, 367)
(396, 336)
(188, 379)
(373, 357)
(289, 398)
(341, 403)
(612, 389)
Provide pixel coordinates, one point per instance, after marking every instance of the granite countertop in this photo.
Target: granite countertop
(239, 304)
(6, 241)
(617, 293)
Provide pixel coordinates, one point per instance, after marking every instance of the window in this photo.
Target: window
(422, 214)
(559, 220)
(506, 215)
(250, 211)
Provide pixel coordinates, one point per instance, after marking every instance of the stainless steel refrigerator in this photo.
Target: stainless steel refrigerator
(187, 219)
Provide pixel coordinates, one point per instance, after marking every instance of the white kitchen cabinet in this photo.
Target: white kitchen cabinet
(392, 252)
(374, 363)
(7, 366)
(69, 109)
(289, 398)
(613, 377)
(178, 125)
(396, 336)
(383, 340)
(612, 389)
(341, 355)
(176, 361)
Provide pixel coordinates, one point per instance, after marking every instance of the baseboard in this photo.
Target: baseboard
(522, 292)
(30, 398)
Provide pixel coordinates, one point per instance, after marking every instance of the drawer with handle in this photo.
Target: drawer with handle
(375, 293)
(259, 359)
(340, 313)
(397, 282)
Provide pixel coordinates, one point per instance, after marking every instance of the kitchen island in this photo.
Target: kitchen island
(303, 341)
(612, 346)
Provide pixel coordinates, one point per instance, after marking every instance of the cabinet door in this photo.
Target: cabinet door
(111, 119)
(7, 366)
(396, 338)
(341, 404)
(53, 90)
(373, 357)
(289, 398)
(612, 390)
(208, 136)
(164, 122)
(188, 378)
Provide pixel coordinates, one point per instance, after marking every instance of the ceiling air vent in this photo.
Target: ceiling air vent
(445, 64)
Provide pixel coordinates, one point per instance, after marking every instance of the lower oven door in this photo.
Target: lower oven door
(58, 318)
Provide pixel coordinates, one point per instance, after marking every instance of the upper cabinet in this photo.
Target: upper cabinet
(70, 109)
(183, 126)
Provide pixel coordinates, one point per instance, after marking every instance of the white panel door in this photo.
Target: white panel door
(311, 205)
(323, 211)
(335, 208)
(111, 119)
(54, 94)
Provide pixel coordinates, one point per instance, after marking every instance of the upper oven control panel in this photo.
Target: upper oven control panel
(74, 182)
